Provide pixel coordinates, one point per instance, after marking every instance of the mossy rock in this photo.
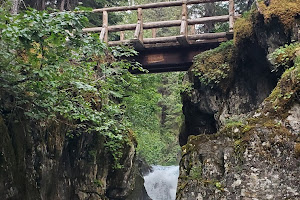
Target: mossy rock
(243, 29)
(297, 149)
(286, 10)
(214, 67)
(284, 94)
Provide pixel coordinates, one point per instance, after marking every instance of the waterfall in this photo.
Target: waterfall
(161, 183)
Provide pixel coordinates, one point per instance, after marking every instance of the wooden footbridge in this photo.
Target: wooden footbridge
(172, 53)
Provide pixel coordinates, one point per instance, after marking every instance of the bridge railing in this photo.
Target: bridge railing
(183, 39)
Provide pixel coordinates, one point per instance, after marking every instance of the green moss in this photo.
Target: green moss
(215, 67)
(297, 149)
(285, 56)
(285, 10)
(243, 29)
(131, 138)
(196, 172)
(98, 183)
(284, 94)
(181, 186)
(219, 186)
(233, 123)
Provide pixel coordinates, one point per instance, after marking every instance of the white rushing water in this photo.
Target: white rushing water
(161, 184)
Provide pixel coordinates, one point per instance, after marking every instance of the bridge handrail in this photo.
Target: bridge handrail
(159, 24)
(155, 5)
(183, 38)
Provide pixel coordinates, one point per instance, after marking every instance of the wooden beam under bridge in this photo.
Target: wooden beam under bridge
(172, 58)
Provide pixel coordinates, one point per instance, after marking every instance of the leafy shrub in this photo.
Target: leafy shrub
(284, 57)
(214, 66)
(51, 71)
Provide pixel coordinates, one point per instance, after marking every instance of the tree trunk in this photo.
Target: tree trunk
(62, 5)
(15, 7)
(43, 5)
(68, 5)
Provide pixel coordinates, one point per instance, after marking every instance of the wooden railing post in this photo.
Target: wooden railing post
(154, 33)
(231, 15)
(193, 29)
(182, 39)
(184, 27)
(104, 31)
(138, 34)
(122, 36)
(138, 41)
(140, 19)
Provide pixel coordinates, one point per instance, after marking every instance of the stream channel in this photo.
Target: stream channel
(161, 183)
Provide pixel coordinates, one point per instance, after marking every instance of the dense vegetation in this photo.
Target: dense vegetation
(53, 73)
(154, 108)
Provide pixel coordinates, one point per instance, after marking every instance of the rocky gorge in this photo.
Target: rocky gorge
(240, 136)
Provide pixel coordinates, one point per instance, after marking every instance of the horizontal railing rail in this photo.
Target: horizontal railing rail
(155, 5)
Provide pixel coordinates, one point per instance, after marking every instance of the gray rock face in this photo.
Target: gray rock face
(259, 159)
(42, 163)
(207, 109)
(243, 143)
(218, 168)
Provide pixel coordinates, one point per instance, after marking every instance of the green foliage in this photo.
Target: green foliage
(284, 57)
(196, 172)
(219, 186)
(154, 109)
(98, 183)
(51, 71)
(186, 87)
(214, 66)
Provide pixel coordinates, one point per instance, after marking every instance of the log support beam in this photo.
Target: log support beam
(171, 58)
(183, 40)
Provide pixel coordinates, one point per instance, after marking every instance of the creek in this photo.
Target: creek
(161, 183)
